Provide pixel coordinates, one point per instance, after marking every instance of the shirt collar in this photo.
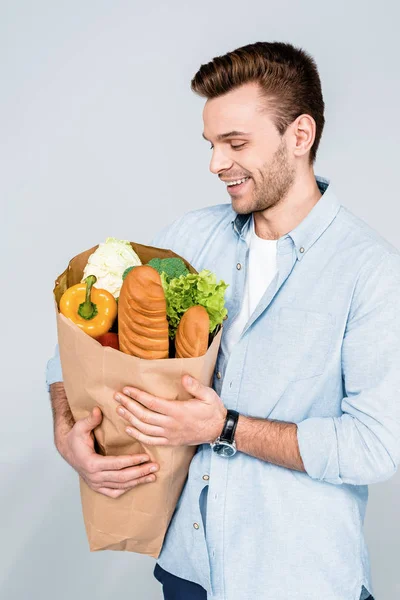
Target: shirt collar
(309, 229)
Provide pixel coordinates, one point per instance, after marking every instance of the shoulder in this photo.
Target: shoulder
(375, 261)
(371, 255)
(193, 227)
(203, 217)
(363, 236)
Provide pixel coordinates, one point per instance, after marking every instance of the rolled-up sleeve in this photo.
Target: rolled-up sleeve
(53, 369)
(362, 446)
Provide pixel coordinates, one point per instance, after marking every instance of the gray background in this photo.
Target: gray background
(101, 136)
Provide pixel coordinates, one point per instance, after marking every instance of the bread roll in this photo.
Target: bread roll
(142, 315)
(192, 334)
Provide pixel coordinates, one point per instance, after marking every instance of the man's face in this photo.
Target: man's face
(255, 151)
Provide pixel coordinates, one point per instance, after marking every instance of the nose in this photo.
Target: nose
(219, 161)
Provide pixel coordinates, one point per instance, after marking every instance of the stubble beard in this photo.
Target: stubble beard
(276, 179)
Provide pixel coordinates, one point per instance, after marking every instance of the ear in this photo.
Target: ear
(304, 129)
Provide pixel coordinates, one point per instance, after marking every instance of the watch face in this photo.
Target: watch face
(224, 449)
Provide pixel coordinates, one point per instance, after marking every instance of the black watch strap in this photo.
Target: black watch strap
(228, 431)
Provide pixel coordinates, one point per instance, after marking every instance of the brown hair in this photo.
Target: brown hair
(288, 79)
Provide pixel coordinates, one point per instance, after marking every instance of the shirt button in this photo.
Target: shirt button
(302, 249)
(219, 375)
(196, 525)
(206, 477)
(238, 266)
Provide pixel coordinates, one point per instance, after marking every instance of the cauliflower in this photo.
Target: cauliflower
(109, 262)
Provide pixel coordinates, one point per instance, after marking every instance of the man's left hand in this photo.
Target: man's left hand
(160, 422)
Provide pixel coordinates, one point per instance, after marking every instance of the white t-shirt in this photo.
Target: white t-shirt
(262, 267)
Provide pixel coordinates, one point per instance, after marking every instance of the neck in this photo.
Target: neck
(275, 221)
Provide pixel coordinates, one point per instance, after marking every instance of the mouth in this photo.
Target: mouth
(236, 188)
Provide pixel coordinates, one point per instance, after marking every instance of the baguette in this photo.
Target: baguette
(142, 315)
(191, 337)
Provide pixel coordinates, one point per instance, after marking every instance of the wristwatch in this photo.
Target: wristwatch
(225, 444)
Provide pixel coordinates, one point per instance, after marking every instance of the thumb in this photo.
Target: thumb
(197, 389)
(93, 419)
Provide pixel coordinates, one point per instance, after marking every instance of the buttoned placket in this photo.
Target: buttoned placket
(229, 376)
(219, 465)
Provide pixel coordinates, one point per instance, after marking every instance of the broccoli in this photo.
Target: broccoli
(172, 267)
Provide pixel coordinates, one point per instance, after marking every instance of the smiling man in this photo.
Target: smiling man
(303, 410)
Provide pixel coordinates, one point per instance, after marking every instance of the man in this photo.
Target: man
(306, 381)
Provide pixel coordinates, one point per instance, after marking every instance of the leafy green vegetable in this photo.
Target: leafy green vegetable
(172, 267)
(189, 290)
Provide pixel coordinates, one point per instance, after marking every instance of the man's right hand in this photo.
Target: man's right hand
(108, 475)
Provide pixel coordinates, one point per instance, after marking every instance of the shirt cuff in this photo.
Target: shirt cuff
(53, 369)
(318, 447)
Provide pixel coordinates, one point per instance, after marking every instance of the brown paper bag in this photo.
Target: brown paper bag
(138, 520)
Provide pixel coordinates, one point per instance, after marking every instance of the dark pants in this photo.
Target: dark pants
(175, 588)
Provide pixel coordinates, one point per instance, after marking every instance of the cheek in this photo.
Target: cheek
(250, 164)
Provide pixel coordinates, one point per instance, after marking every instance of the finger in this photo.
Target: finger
(131, 407)
(93, 419)
(154, 403)
(128, 484)
(145, 439)
(112, 463)
(124, 475)
(151, 430)
(117, 492)
(197, 389)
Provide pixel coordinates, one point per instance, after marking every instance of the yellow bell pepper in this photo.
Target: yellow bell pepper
(93, 310)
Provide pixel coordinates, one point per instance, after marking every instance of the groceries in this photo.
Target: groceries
(159, 309)
(172, 267)
(142, 315)
(109, 339)
(192, 334)
(194, 289)
(92, 310)
(109, 262)
(93, 370)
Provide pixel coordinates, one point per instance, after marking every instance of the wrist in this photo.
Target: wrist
(225, 445)
(218, 425)
(60, 438)
(241, 431)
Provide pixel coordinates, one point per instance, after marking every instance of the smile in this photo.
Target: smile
(238, 182)
(234, 187)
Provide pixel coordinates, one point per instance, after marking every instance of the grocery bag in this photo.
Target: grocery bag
(138, 520)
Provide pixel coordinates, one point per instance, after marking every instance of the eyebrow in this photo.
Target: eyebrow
(223, 136)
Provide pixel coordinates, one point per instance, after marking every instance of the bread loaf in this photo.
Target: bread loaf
(142, 315)
(192, 334)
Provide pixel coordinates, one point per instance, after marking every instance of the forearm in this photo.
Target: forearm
(62, 416)
(269, 440)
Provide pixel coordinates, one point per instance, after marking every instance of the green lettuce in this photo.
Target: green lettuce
(190, 290)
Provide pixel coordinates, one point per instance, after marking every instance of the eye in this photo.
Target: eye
(237, 147)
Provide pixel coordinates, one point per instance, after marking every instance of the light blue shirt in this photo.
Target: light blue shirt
(321, 349)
